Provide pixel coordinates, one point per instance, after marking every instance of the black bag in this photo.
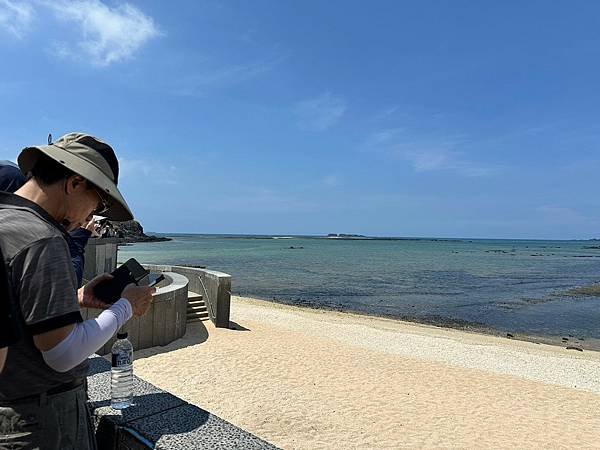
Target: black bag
(10, 332)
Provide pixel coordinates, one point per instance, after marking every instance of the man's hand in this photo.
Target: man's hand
(85, 294)
(92, 227)
(140, 297)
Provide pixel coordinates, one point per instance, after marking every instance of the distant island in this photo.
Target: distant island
(333, 236)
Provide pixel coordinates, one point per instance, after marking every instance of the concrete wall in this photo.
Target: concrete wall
(215, 288)
(100, 256)
(165, 321)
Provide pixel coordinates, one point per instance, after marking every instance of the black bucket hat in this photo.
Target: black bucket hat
(88, 157)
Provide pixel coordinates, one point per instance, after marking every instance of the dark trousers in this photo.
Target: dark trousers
(54, 422)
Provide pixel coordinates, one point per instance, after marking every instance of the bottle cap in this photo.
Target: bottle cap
(122, 335)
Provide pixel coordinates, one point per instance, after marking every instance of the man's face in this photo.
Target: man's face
(83, 199)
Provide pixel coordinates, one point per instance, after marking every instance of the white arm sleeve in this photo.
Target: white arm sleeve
(87, 337)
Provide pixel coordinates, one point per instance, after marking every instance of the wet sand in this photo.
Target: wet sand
(306, 379)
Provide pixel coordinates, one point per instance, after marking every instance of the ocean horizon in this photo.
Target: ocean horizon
(504, 286)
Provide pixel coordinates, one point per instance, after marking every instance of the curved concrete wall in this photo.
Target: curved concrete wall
(213, 286)
(165, 320)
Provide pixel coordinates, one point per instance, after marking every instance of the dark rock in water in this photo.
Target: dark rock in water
(129, 231)
(579, 349)
(509, 335)
(565, 339)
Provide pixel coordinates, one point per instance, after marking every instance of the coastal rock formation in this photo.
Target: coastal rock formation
(130, 231)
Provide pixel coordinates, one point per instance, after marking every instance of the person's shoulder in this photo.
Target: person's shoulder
(20, 228)
(26, 222)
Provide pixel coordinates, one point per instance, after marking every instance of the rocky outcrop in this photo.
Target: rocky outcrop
(130, 231)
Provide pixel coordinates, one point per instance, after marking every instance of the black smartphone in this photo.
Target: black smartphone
(155, 279)
(109, 291)
(136, 270)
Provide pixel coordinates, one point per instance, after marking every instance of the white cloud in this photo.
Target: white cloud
(320, 113)
(150, 171)
(257, 199)
(441, 158)
(383, 136)
(426, 154)
(385, 113)
(16, 17)
(195, 85)
(332, 180)
(107, 34)
(425, 160)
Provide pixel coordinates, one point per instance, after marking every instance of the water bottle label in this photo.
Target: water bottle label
(121, 359)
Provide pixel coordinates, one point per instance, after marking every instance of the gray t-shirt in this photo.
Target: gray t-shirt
(44, 286)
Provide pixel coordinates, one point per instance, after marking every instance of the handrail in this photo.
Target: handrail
(208, 301)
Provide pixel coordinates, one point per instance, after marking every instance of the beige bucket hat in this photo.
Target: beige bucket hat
(86, 156)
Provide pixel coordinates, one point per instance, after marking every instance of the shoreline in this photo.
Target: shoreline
(572, 342)
(482, 290)
(303, 379)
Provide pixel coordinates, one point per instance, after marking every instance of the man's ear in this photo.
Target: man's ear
(75, 182)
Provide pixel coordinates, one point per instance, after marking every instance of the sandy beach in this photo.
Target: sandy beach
(308, 379)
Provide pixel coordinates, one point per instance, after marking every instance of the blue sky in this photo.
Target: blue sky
(429, 118)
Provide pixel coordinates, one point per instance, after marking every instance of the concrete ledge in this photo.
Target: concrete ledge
(165, 321)
(158, 419)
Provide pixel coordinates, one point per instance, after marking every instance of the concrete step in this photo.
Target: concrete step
(196, 308)
(197, 319)
(194, 296)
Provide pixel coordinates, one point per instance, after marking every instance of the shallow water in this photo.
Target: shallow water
(508, 286)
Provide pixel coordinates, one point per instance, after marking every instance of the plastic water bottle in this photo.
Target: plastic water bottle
(121, 382)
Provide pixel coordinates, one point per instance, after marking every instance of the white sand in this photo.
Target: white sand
(312, 379)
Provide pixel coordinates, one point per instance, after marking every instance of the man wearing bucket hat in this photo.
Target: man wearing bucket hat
(42, 387)
(12, 179)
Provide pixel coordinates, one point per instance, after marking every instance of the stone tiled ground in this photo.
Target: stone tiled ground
(158, 419)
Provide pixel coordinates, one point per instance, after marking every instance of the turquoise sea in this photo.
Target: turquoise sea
(504, 286)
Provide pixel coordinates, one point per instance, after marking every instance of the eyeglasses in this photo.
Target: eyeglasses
(104, 204)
